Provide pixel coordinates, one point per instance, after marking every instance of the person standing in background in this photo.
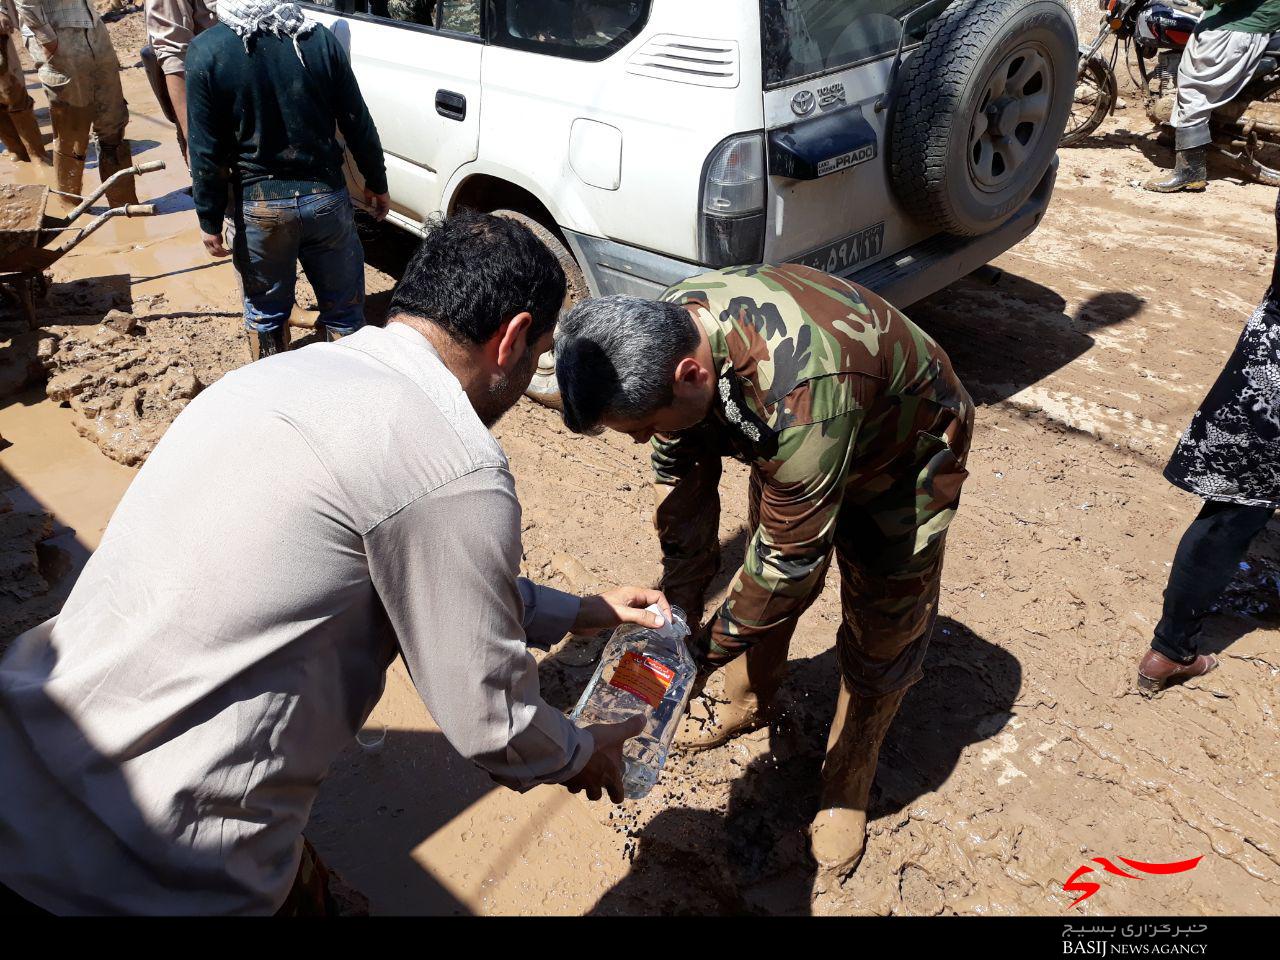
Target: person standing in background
(81, 76)
(1219, 61)
(171, 26)
(266, 91)
(19, 131)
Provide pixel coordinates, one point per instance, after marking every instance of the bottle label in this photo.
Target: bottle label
(644, 677)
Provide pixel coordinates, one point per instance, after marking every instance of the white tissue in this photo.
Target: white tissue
(672, 629)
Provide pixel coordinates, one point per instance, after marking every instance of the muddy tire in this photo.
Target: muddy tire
(543, 387)
(979, 109)
(1093, 101)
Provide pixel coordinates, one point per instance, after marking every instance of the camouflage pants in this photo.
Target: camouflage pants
(890, 541)
(13, 84)
(889, 546)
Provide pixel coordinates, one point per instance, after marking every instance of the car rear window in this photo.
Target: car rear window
(804, 38)
(579, 29)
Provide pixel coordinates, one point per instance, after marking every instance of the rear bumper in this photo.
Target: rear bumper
(929, 266)
(912, 274)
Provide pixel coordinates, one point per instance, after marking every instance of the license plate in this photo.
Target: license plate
(839, 256)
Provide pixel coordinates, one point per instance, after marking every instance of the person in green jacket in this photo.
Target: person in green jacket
(1219, 61)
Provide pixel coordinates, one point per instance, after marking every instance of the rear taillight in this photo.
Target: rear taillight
(732, 211)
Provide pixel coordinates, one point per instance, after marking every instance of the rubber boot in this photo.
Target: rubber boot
(9, 137)
(68, 171)
(838, 834)
(267, 344)
(1190, 172)
(751, 685)
(71, 141)
(112, 158)
(29, 130)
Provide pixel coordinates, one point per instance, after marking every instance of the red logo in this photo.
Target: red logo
(1087, 888)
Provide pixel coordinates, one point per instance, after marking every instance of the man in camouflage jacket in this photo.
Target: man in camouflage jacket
(856, 429)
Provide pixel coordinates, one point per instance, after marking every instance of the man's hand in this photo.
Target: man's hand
(603, 771)
(380, 202)
(213, 243)
(620, 605)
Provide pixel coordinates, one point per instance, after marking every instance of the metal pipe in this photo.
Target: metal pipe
(134, 171)
(132, 210)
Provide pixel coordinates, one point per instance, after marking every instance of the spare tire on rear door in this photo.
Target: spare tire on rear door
(978, 111)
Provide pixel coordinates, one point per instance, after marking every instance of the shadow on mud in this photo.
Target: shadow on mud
(1002, 337)
(754, 859)
(1157, 146)
(388, 249)
(412, 787)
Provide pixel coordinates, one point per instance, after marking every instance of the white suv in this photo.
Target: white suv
(652, 139)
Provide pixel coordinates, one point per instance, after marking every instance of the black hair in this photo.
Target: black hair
(617, 356)
(474, 271)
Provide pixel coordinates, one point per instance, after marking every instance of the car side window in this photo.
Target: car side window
(460, 16)
(421, 12)
(579, 29)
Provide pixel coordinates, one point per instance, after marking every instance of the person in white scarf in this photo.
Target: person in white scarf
(247, 17)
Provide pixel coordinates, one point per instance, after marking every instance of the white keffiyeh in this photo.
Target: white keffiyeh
(247, 17)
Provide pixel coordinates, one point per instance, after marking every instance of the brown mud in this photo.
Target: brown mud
(1024, 753)
(128, 377)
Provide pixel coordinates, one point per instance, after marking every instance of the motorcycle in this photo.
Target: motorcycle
(1246, 130)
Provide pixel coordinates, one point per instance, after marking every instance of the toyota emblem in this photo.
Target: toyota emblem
(802, 103)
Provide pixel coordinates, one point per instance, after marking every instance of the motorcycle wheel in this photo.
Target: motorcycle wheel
(1259, 161)
(1093, 102)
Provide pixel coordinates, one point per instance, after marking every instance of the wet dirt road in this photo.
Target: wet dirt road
(1022, 755)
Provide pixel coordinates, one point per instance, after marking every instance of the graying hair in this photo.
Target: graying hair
(616, 356)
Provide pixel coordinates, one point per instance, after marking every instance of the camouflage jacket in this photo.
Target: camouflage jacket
(822, 385)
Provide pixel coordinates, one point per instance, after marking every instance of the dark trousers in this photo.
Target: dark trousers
(1207, 559)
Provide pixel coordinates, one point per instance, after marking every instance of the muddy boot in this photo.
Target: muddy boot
(68, 172)
(750, 688)
(838, 834)
(267, 343)
(71, 140)
(1156, 671)
(1190, 172)
(29, 129)
(9, 137)
(112, 158)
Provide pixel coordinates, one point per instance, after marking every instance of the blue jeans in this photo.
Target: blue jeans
(271, 236)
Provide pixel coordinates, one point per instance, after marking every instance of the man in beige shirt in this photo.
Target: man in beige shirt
(171, 26)
(19, 131)
(305, 519)
(81, 76)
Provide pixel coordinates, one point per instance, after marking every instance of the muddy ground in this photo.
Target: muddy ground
(1024, 752)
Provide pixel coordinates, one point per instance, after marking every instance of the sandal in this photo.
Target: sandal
(1156, 671)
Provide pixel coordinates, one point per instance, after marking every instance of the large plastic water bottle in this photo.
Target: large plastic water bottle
(644, 670)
